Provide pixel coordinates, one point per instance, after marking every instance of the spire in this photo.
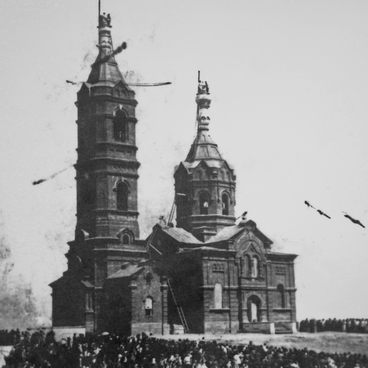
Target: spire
(105, 69)
(203, 147)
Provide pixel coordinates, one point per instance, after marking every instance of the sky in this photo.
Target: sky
(289, 87)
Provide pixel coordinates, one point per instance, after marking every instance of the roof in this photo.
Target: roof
(225, 234)
(105, 72)
(285, 255)
(67, 278)
(209, 162)
(230, 231)
(180, 235)
(87, 284)
(203, 148)
(204, 248)
(105, 69)
(129, 271)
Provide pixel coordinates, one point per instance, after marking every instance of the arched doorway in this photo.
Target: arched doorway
(253, 306)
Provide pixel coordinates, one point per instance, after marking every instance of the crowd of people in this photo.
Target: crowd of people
(10, 337)
(337, 325)
(40, 350)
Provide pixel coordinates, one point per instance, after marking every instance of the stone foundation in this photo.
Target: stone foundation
(259, 327)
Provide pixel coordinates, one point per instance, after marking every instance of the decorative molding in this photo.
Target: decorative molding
(218, 267)
(280, 270)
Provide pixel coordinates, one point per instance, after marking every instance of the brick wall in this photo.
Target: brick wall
(68, 304)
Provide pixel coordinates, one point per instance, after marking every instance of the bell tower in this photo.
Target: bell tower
(204, 182)
(107, 167)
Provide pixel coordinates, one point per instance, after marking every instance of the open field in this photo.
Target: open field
(330, 342)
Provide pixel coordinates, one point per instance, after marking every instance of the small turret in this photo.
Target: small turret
(204, 182)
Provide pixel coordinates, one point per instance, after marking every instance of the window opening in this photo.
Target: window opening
(225, 204)
(203, 204)
(149, 307)
(255, 268)
(120, 126)
(248, 266)
(122, 197)
(126, 239)
(280, 296)
(218, 296)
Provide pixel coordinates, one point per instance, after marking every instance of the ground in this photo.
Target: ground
(329, 342)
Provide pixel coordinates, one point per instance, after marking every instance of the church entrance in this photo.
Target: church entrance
(253, 306)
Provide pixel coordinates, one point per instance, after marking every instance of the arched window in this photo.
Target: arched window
(280, 299)
(88, 301)
(148, 306)
(255, 268)
(125, 239)
(217, 295)
(225, 204)
(248, 266)
(120, 126)
(203, 203)
(88, 191)
(122, 196)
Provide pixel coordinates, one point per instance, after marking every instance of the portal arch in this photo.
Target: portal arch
(254, 308)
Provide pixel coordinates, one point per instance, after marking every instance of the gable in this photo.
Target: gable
(120, 90)
(247, 242)
(180, 171)
(227, 172)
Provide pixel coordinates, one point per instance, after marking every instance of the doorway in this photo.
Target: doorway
(253, 306)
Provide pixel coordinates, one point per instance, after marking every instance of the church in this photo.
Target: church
(209, 273)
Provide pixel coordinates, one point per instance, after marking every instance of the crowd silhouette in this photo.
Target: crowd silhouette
(10, 337)
(335, 325)
(40, 350)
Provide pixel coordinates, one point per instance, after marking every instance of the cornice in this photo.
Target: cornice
(108, 97)
(118, 212)
(117, 145)
(109, 160)
(130, 119)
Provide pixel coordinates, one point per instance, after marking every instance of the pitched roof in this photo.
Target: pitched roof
(230, 231)
(209, 162)
(67, 278)
(87, 284)
(204, 248)
(129, 271)
(203, 148)
(105, 69)
(180, 235)
(225, 234)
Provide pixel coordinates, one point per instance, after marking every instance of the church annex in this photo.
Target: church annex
(209, 273)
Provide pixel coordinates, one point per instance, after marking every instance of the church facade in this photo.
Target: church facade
(209, 273)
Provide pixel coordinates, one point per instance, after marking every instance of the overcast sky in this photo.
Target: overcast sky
(289, 87)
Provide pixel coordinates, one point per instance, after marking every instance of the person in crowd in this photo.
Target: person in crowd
(335, 325)
(40, 350)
